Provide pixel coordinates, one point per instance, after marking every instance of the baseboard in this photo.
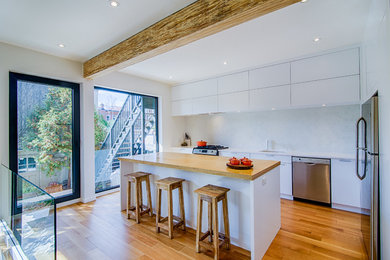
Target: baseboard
(67, 203)
(88, 199)
(351, 209)
(107, 192)
(287, 197)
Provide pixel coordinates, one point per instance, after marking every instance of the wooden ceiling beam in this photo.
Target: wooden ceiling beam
(196, 21)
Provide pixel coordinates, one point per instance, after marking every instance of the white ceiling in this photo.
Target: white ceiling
(85, 27)
(278, 36)
(89, 27)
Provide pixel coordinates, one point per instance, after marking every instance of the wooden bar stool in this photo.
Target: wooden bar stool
(138, 210)
(212, 194)
(169, 184)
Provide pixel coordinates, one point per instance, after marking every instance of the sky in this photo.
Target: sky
(109, 98)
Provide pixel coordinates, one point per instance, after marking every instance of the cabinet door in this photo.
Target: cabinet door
(286, 178)
(204, 105)
(233, 83)
(270, 98)
(233, 102)
(233, 154)
(181, 107)
(204, 88)
(338, 64)
(275, 75)
(285, 170)
(344, 90)
(181, 92)
(346, 187)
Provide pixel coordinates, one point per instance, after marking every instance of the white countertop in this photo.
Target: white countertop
(283, 153)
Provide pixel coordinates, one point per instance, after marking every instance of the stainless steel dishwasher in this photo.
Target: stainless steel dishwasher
(311, 179)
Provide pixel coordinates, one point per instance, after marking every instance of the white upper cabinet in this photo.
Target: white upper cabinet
(204, 105)
(233, 102)
(269, 98)
(204, 88)
(180, 92)
(344, 90)
(275, 75)
(338, 64)
(330, 79)
(181, 107)
(233, 83)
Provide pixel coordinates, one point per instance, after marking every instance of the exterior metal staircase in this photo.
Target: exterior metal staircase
(119, 138)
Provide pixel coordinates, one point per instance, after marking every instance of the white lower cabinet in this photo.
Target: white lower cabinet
(233, 154)
(285, 171)
(286, 179)
(346, 187)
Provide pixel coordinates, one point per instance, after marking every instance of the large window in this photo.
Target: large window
(45, 134)
(125, 124)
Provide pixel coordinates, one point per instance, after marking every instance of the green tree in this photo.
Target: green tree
(101, 127)
(50, 132)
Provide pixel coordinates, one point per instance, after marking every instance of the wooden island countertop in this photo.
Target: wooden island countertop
(202, 163)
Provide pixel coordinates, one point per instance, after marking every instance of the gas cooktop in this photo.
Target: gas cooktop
(209, 149)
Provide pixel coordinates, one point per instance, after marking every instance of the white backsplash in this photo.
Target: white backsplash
(317, 130)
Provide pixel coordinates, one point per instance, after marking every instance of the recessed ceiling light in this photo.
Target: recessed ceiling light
(303, 1)
(324, 105)
(114, 3)
(61, 45)
(170, 77)
(273, 108)
(225, 63)
(317, 39)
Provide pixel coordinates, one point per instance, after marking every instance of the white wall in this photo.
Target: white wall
(376, 67)
(26, 61)
(317, 130)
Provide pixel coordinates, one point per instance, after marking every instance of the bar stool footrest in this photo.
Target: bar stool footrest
(222, 240)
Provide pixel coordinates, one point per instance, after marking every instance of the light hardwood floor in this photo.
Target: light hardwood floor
(98, 230)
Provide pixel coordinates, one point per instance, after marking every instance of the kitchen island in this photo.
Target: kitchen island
(253, 199)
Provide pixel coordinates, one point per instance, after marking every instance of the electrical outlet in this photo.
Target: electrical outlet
(264, 181)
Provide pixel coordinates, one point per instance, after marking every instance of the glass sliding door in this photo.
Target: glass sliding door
(125, 124)
(45, 134)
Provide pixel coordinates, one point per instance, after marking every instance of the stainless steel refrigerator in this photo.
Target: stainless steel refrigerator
(367, 170)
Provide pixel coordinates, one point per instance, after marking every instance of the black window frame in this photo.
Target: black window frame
(13, 128)
(157, 122)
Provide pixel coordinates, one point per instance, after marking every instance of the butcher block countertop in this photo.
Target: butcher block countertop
(202, 163)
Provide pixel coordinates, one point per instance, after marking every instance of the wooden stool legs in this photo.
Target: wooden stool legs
(215, 234)
(199, 225)
(182, 211)
(139, 209)
(226, 222)
(212, 194)
(158, 209)
(169, 184)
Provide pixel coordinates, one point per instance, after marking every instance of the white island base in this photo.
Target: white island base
(254, 205)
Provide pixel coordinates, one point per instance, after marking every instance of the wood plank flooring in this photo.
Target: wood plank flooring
(98, 230)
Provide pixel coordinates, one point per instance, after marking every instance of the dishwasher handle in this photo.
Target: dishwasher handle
(310, 164)
(310, 161)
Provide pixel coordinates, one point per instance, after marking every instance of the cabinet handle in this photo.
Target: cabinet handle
(345, 160)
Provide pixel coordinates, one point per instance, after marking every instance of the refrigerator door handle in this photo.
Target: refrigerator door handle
(364, 148)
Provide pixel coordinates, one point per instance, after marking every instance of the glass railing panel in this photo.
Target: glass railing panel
(32, 216)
